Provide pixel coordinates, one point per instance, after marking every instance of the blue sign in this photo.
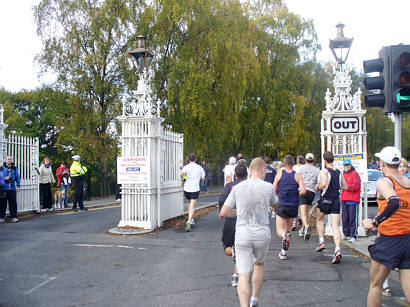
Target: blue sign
(133, 169)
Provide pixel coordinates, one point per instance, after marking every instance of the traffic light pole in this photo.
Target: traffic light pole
(397, 130)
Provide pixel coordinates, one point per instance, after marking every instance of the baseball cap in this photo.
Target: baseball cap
(347, 161)
(310, 156)
(390, 155)
(232, 160)
(76, 157)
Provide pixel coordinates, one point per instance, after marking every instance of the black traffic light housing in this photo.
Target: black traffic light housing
(400, 78)
(380, 84)
(393, 83)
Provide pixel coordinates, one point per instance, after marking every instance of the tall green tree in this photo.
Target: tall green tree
(84, 45)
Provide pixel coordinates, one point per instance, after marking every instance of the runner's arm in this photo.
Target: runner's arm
(386, 188)
(299, 180)
(276, 181)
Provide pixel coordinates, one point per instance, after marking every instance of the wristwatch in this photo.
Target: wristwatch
(374, 222)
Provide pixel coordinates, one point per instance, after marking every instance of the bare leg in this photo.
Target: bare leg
(228, 251)
(191, 208)
(335, 218)
(243, 289)
(378, 273)
(304, 213)
(320, 225)
(405, 283)
(257, 278)
(282, 225)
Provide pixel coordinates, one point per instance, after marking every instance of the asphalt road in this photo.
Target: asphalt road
(70, 260)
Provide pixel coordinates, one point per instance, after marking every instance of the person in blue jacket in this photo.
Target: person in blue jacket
(11, 186)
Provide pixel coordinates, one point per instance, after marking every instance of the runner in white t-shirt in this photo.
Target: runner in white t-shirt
(229, 171)
(250, 201)
(194, 173)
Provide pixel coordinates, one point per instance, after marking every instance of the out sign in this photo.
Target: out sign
(345, 124)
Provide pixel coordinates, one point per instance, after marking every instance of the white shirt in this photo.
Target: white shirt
(193, 173)
(251, 199)
(229, 171)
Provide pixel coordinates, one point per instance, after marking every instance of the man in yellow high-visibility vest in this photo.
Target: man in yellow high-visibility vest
(77, 172)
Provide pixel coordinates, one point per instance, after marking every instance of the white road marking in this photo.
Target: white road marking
(40, 285)
(106, 245)
(343, 255)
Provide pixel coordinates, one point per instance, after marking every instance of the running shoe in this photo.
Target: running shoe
(307, 233)
(286, 241)
(253, 303)
(15, 220)
(337, 257)
(234, 280)
(386, 292)
(282, 256)
(320, 246)
(2, 220)
(188, 227)
(294, 226)
(352, 240)
(301, 234)
(192, 222)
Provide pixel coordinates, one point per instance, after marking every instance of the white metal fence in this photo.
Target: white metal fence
(25, 153)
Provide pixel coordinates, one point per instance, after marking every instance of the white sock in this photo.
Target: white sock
(254, 299)
(235, 275)
(283, 252)
(321, 240)
(337, 248)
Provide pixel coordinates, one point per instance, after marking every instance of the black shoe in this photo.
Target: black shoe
(75, 209)
(83, 209)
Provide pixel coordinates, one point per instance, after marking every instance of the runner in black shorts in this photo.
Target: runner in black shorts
(228, 229)
(329, 204)
(287, 183)
(391, 249)
(309, 174)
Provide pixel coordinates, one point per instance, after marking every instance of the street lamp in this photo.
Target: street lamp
(342, 43)
(140, 57)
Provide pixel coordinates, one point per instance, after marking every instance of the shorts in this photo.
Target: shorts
(191, 195)
(329, 206)
(287, 212)
(250, 252)
(392, 251)
(228, 232)
(307, 198)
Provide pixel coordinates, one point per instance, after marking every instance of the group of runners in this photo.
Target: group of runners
(250, 194)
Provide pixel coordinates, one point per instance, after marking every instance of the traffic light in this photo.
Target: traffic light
(400, 78)
(380, 83)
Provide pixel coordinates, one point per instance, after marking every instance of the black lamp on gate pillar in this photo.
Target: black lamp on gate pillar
(342, 43)
(141, 58)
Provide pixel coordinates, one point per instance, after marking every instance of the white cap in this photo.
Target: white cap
(390, 155)
(310, 156)
(76, 157)
(232, 160)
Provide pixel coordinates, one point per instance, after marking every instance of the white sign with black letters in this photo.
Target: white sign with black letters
(345, 124)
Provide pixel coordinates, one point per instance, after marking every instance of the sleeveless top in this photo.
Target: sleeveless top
(333, 187)
(288, 189)
(399, 222)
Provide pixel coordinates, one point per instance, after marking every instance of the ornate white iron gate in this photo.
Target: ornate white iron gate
(25, 153)
(149, 168)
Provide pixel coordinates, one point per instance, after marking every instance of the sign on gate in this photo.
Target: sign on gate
(132, 170)
(358, 162)
(345, 124)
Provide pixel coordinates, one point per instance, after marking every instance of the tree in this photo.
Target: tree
(84, 45)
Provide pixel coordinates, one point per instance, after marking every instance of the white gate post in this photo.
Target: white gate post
(151, 191)
(344, 132)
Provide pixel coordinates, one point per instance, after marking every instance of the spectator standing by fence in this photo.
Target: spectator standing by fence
(46, 178)
(11, 187)
(64, 180)
(77, 171)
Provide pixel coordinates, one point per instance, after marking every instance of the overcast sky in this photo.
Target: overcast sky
(372, 23)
